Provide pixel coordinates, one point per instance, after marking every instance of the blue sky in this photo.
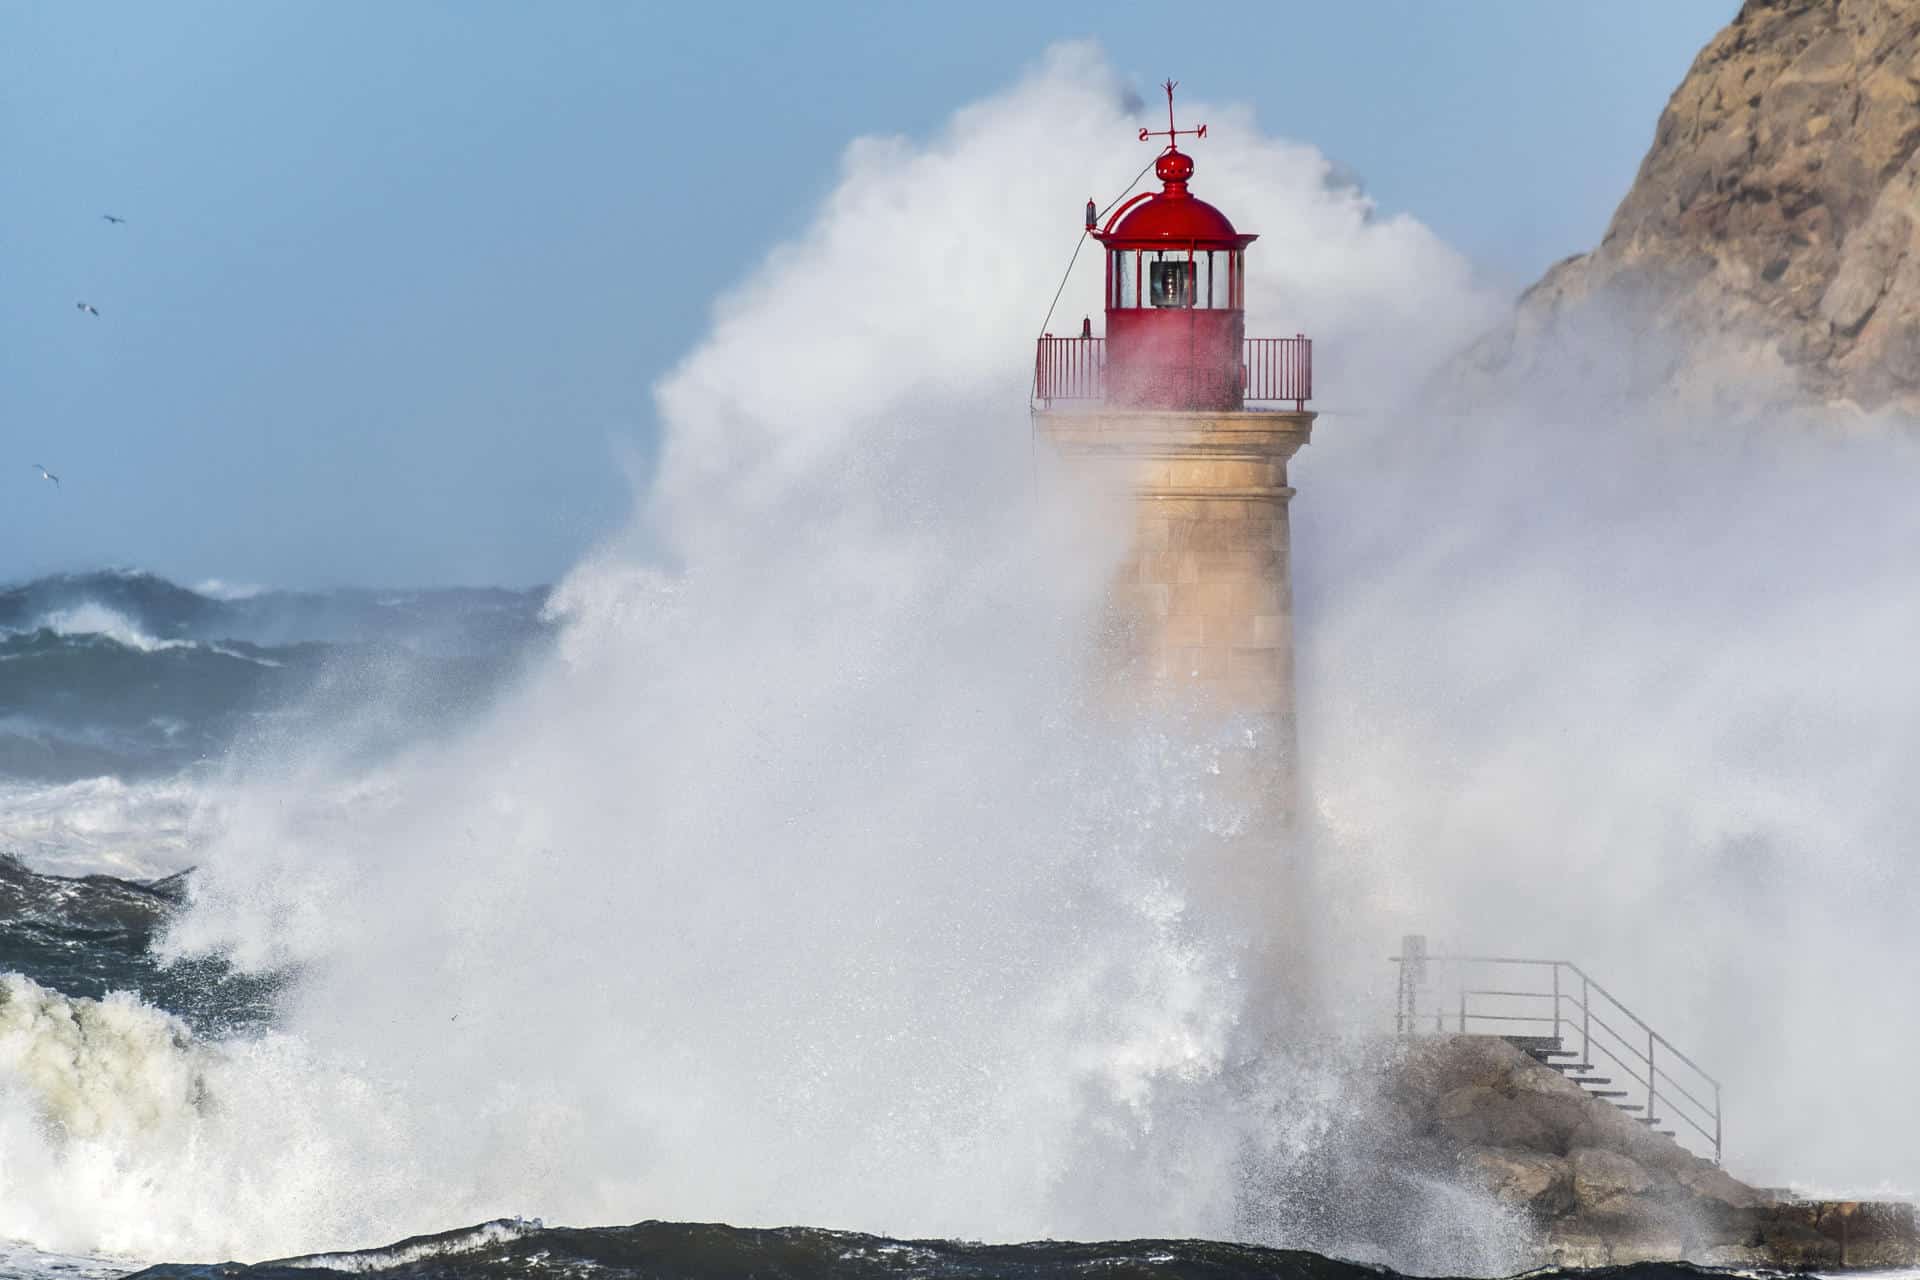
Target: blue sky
(396, 279)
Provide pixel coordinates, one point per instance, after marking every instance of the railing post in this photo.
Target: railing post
(1463, 1010)
(1586, 1015)
(1716, 1122)
(1653, 1075)
(1402, 999)
(1556, 1005)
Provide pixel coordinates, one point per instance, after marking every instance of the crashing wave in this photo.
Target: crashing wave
(91, 619)
(134, 830)
(449, 1244)
(123, 1134)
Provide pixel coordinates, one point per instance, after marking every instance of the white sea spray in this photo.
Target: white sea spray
(806, 883)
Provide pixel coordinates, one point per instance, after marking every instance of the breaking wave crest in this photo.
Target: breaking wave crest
(125, 1135)
(91, 619)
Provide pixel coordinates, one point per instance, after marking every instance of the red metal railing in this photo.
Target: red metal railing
(1071, 369)
(1280, 369)
(1276, 370)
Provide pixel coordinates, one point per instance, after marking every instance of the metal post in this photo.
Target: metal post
(1716, 1122)
(1463, 1010)
(1586, 1005)
(1556, 1006)
(1402, 1004)
(1653, 1093)
(1413, 972)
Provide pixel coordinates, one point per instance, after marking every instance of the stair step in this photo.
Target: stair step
(1564, 1067)
(1665, 1133)
(1589, 1079)
(1646, 1120)
(1629, 1106)
(1532, 1043)
(1608, 1093)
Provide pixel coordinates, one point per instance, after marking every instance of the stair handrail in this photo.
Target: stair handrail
(1414, 959)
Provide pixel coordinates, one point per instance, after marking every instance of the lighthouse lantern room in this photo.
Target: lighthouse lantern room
(1176, 309)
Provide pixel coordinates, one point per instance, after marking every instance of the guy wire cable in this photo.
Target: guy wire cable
(1033, 390)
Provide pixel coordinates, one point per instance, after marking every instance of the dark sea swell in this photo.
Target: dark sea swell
(129, 675)
(90, 935)
(704, 1251)
(121, 691)
(450, 620)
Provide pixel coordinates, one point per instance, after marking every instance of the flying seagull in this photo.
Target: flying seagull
(110, 218)
(87, 307)
(47, 475)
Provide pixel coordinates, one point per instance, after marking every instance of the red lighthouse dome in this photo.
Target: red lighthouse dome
(1176, 315)
(1173, 214)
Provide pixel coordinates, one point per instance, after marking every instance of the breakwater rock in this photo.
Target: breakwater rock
(1604, 1189)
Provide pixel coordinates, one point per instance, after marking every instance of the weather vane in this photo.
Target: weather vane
(1171, 134)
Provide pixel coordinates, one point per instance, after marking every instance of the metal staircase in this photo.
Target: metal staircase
(1547, 1051)
(1586, 1030)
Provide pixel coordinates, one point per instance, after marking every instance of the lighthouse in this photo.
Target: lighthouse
(1198, 421)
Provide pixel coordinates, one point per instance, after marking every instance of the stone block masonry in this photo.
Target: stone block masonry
(1203, 604)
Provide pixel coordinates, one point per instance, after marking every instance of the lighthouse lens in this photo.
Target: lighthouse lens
(1172, 284)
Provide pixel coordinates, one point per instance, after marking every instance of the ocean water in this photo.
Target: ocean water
(122, 698)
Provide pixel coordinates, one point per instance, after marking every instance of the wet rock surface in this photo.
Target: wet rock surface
(1605, 1190)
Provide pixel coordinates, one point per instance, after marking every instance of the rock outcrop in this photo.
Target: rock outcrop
(1768, 253)
(1603, 1189)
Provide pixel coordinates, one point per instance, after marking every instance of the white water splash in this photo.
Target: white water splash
(806, 884)
(94, 619)
(135, 830)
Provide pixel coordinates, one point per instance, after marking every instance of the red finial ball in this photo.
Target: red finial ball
(1173, 166)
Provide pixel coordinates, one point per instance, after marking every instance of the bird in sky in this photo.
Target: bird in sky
(47, 475)
(87, 307)
(110, 218)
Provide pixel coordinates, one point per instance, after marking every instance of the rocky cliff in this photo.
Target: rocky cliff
(1768, 252)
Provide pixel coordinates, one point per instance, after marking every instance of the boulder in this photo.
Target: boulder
(1572, 1243)
(1603, 1180)
(1649, 1237)
(1541, 1184)
(1712, 1183)
(1603, 1189)
(1431, 1067)
(1478, 1116)
(1862, 1233)
(1792, 1242)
